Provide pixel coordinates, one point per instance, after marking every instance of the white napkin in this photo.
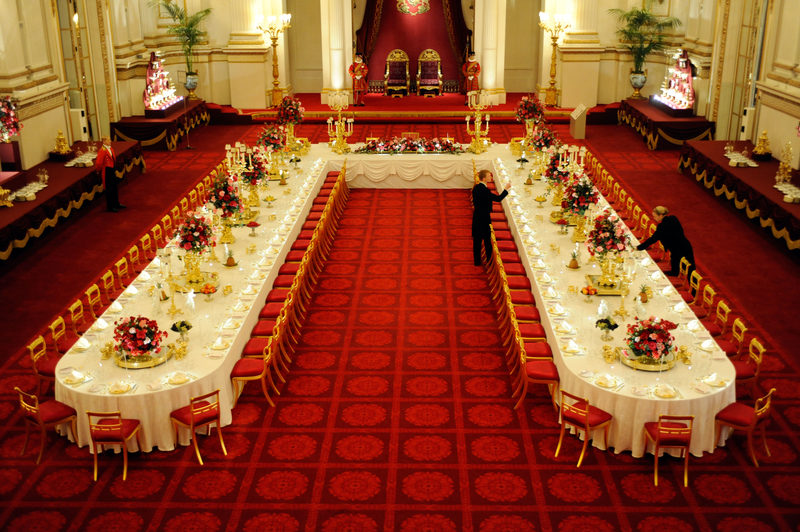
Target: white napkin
(514, 201)
(708, 345)
(288, 218)
(74, 377)
(144, 276)
(230, 324)
(97, 388)
(240, 307)
(565, 328)
(131, 291)
(119, 386)
(540, 264)
(100, 325)
(219, 344)
(557, 309)
(639, 390)
(606, 380)
(154, 386)
(66, 370)
(179, 377)
(586, 373)
(298, 201)
(702, 387)
(668, 291)
(250, 290)
(156, 262)
(647, 261)
(534, 251)
(524, 220)
(665, 390)
(550, 292)
(714, 380)
(271, 250)
(656, 276)
(681, 307)
(545, 278)
(283, 228)
(276, 239)
(82, 344)
(572, 347)
(518, 210)
(255, 275)
(294, 211)
(719, 355)
(529, 240)
(694, 325)
(115, 307)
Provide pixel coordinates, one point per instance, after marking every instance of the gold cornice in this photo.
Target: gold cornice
(27, 72)
(783, 79)
(785, 105)
(29, 85)
(245, 43)
(106, 69)
(129, 44)
(128, 54)
(718, 80)
(42, 105)
(138, 71)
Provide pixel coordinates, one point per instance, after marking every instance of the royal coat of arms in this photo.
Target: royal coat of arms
(413, 7)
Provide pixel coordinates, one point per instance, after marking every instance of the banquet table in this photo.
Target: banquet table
(580, 373)
(226, 321)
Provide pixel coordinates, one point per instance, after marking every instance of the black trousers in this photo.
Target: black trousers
(112, 195)
(675, 257)
(476, 248)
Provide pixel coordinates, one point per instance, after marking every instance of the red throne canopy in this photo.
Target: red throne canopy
(386, 28)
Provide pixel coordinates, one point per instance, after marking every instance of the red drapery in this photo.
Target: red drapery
(385, 28)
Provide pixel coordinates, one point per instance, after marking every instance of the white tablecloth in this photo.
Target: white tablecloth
(153, 408)
(630, 411)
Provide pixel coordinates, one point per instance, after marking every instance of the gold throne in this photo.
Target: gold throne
(397, 79)
(429, 73)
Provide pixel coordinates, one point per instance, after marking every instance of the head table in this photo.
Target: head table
(222, 326)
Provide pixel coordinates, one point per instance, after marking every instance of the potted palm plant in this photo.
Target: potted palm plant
(641, 32)
(187, 30)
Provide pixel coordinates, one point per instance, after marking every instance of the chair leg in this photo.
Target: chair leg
(27, 434)
(264, 387)
(560, 438)
(236, 392)
(685, 467)
(522, 395)
(73, 425)
(222, 443)
(41, 450)
(764, 439)
(750, 449)
(196, 448)
(124, 461)
(94, 448)
(655, 461)
(583, 449)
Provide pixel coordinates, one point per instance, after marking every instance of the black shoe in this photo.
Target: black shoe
(113, 210)
(121, 206)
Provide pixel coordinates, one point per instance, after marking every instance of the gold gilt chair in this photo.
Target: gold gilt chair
(739, 416)
(396, 79)
(44, 416)
(673, 432)
(109, 428)
(429, 73)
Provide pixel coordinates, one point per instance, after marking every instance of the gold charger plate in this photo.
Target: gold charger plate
(73, 382)
(172, 381)
(120, 392)
(613, 383)
(671, 393)
(221, 347)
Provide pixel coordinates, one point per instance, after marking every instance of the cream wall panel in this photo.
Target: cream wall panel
(779, 116)
(11, 56)
(38, 134)
(522, 45)
(305, 45)
(35, 32)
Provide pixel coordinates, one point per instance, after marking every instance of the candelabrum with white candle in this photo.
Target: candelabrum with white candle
(478, 101)
(555, 27)
(274, 27)
(339, 130)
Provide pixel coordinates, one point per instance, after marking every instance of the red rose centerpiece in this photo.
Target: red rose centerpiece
(607, 236)
(290, 113)
(9, 120)
(224, 196)
(139, 338)
(195, 236)
(529, 110)
(272, 138)
(579, 195)
(650, 341)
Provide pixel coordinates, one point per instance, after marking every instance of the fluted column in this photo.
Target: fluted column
(13, 59)
(245, 16)
(584, 23)
(147, 18)
(490, 17)
(336, 48)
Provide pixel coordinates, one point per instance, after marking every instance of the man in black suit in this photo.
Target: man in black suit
(482, 199)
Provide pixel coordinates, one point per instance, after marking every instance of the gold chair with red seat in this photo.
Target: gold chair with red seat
(95, 301)
(77, 320)
(534, 370)
(200, 412)
(670, 432)
(705, 303)
(43, 367)
(719, 324)
(135, 259)
(253, 369)
(734, 346)
(109, 287)
(44, 415)
(58, 330)
(109, 428)
(583, 416)
(739, 416)
(749, 369)
(693, 292)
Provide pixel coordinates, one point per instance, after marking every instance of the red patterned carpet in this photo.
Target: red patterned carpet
(396, 416)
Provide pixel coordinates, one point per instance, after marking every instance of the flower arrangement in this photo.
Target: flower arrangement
(555, 174)
(579, 195)
(224, 196)
(607, 235)
(138, 336)
(251, 176)
(290, 111)
(406, 145)
(529, 109)
(650, 337)
(272, 138)
(9, 121)
(182, 326)
(194, 233)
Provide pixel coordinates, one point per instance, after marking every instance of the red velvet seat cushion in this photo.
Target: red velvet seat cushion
(271, 311)
(737, 414)
(595, 415)
(519, 297)
(300, 244)
(52, 411)
(332, 173)
(744, 370)
(538, 349)
(277, 295)
(328, 186)
(289, 268)
(117, 435)
(283, 281)
(247, 367)
(500, 226)
(518, 282)
(320, 200)
(47, 367)
(255, 347)
(541, 370)
(700, 312)
(184, 414)
(527, 314)
(295, 255)
(729, 347)
(263, 328)
(502, 235)
(498, 216)
(306, 234)
(325, 191)
(314, 216)
(668, 440)
(509, 257)
(513, 268)
(532, 330)
(310, 225)
(506, 245)
(317, 208)
(687, 295)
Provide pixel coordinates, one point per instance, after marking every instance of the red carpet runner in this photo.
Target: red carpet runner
(396, 416)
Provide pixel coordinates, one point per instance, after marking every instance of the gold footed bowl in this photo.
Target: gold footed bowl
(645, 363)
(141, 362)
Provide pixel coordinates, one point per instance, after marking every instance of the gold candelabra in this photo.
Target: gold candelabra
(274, 28)
(478, 101)
(560, 23)
(339, 130)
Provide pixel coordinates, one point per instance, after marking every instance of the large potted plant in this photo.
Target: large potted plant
(641, 32)
(187, 30)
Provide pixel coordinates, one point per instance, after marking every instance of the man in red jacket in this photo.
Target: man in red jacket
(104, 165)
(359, 71)
(470, 70)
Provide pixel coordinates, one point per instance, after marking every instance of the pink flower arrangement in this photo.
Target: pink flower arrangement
(579, 195)
(9, 121)
(290, 111)
(406, 145)
(607, 236)
(650, 337)
(555, 174)
(543, 138)
(529, 109)
(138, 336)
(272, 138)
(224, 196)
(194, 233)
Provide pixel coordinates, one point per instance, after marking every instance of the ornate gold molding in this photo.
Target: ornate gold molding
(783, 79)
(27, 72)
(718, 80)
(42, 105)
(106, 69)
(138, 71)
(29, 85)
(784, 105)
